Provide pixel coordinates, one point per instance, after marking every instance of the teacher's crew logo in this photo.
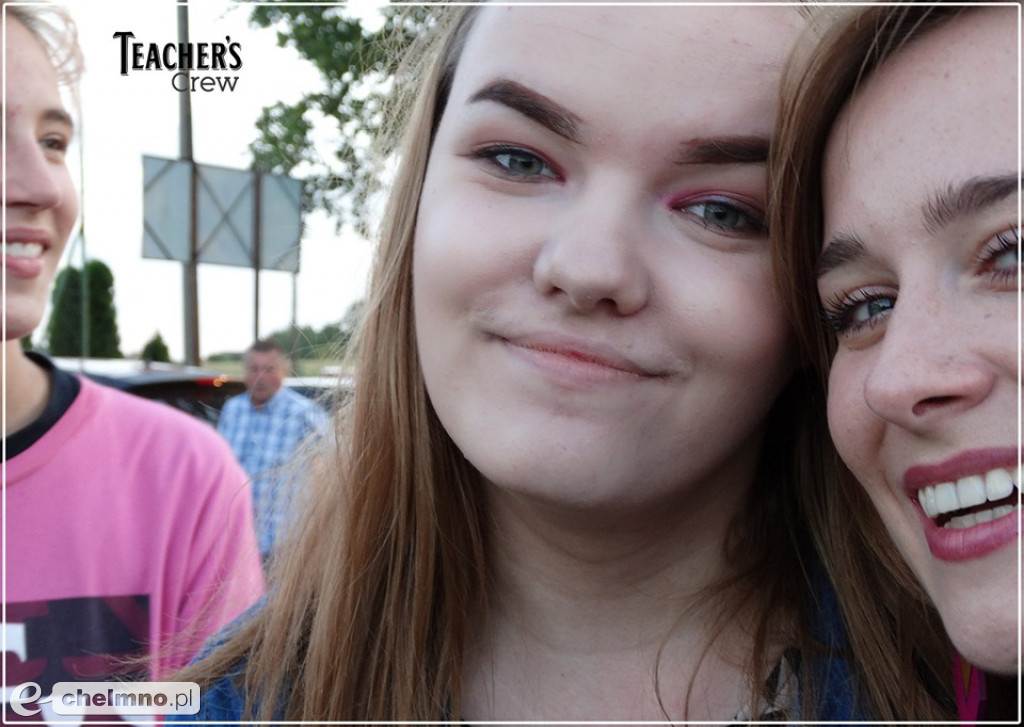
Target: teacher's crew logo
(191, 62)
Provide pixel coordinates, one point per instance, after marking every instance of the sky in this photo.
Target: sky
(126, 117)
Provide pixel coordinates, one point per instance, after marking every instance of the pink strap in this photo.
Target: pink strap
(969, 682)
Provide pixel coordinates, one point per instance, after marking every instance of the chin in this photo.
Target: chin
(20, 323)
(994, 649)
(984, 627)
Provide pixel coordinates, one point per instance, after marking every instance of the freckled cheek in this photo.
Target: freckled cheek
(1002, 335)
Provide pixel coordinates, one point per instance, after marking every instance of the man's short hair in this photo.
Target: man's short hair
(264, 345)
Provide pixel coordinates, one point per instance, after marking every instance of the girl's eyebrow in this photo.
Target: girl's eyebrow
(55, 115)
(557, 118)
(966, 199)
(939, 210)
(60, 116)
(533, 105)
(842, 248)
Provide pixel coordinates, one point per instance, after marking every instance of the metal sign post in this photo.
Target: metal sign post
(257, 234)
(190, 283)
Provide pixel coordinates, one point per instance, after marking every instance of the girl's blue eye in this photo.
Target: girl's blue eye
(518, 163)
(857, 312)
(869, 309)
(729, 217)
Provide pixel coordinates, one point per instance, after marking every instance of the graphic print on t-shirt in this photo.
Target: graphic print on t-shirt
(72, 640)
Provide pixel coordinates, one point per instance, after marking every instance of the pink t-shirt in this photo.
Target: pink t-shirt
(127, 524)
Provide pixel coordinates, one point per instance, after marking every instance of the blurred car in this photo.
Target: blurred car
(329, 391)
(195, 390)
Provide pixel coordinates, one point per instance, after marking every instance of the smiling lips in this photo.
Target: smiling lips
(23, 249)
(969, 505)
(23, 254)
(574, 358)
(587, 358)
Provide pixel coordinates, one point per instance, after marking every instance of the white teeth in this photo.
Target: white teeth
(970, 491)
(932, 505)
(945, 497)
(926, 497)
(984, 516)
(1002, 510)
(973, 518)
(998, 484)
(23, 249)
(966, 492)
(962, 521)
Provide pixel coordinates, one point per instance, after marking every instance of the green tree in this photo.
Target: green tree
(155, 349)
(67, 322)
(104, 339)
(355, 65)
(64, 329)
(330, 342)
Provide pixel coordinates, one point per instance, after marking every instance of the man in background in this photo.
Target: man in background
(265, 427)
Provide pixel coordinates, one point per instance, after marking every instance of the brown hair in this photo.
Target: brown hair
(894, 631)
(372, 604)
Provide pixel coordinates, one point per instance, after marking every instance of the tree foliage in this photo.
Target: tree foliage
(67, 323)
(305, 343)
(325, 138)
(155, 349)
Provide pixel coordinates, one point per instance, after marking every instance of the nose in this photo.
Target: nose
(33, 180)
(930, 365)
(594, 258)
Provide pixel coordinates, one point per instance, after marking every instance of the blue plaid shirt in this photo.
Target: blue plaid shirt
(264, 441)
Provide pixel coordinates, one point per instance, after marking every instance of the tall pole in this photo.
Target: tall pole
(190, 293)
(295, 301)
(295, 318)
(86, 313)
(84, 295)
(257, 239)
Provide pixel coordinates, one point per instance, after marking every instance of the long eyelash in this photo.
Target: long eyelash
(1015, 231)
(834, 313)
(489, 152)
(1006, 240)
